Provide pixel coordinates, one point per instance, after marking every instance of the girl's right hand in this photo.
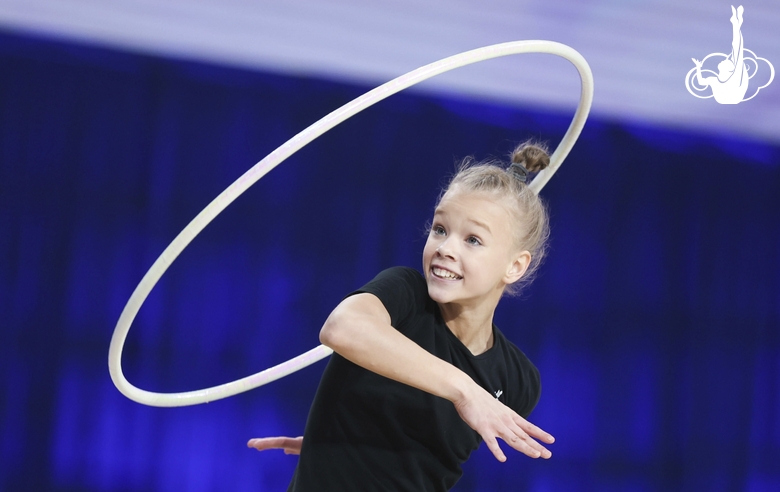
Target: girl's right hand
(290, 445)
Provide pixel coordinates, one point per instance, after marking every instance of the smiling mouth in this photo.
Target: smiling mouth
(444, 274)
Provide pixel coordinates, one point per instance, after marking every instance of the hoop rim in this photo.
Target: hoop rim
(260, 169)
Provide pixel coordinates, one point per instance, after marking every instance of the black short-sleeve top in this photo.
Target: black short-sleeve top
(369, 433)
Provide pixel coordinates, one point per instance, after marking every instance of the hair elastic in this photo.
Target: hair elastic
(519, 171)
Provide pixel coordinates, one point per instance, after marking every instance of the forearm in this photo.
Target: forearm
(371, 342)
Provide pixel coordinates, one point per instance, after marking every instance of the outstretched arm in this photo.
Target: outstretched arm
(701, 80)
(359, 330)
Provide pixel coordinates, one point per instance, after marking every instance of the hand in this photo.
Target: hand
(492, 419)
(290, 445)
(696, 62)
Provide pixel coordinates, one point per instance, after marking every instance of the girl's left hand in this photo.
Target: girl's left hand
(492, 419)
(290, 445)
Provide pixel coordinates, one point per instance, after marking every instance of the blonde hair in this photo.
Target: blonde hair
(532, 228)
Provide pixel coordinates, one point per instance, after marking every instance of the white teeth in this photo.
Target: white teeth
(440, 272)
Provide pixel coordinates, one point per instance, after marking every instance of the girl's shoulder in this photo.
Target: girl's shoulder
(399, 281)
(403, 273)
(401, 289)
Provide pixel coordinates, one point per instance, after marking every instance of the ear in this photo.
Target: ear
(518, 267)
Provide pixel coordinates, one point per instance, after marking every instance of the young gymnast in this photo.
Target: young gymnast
(420, 375)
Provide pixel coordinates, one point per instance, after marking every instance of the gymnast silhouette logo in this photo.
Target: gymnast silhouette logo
(735, 70)
(499, 393)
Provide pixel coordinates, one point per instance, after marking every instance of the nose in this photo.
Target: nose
(445, 250)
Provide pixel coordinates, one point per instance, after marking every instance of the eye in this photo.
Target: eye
(474, 241)
(438, 230)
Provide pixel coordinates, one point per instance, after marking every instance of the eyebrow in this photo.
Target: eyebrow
(480, 224)
(476, 222)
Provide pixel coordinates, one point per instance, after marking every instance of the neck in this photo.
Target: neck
(472, 326)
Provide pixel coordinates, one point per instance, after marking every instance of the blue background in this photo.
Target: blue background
(654, 321)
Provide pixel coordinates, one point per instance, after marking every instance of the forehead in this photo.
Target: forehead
(475, 206)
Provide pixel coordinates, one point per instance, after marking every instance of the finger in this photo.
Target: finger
(292, 445)
(525, 444)
(518, 439)
(513, 435)
(494, 448)
(534, 431)
(264, 443)
(259, 444)
(537, 450)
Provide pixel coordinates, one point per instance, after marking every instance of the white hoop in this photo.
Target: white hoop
(277, 157)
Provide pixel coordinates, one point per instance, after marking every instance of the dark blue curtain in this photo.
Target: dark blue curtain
(654, 322)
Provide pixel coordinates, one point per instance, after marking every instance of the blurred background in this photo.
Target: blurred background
(655, 321)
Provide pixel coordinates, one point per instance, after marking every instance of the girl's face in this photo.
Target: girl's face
(470, 255)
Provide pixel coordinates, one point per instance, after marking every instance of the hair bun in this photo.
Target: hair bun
(533, 156)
